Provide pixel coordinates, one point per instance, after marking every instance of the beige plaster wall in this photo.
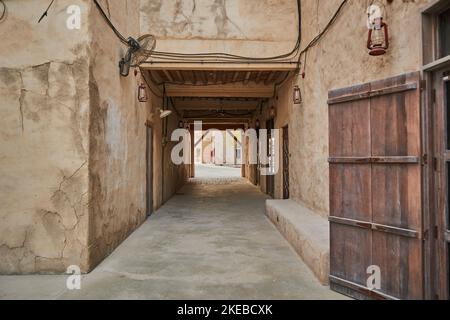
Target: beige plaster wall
(339, 60)
(232, 26)
(72, 138)
(44, 139)
(118, 139)
(117, 135)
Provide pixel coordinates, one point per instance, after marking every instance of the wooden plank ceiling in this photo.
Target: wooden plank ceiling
(218, 83)
(231, 96)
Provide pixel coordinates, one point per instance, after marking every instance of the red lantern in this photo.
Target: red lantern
(378, 40)
(142, 93)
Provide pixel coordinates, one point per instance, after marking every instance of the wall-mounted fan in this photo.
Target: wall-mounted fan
(139, 50)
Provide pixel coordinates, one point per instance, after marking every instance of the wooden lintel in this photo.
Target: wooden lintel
(211, 66)
(220, 90)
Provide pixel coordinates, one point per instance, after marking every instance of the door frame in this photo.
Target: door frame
(149, 173)
(437, 262)
(436, 257)
(286, 160)
(270, 179)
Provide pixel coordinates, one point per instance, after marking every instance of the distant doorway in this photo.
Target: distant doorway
(218, 154)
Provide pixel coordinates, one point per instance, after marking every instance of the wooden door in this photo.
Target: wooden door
(441, 232)
(375, 188)
(286, 162)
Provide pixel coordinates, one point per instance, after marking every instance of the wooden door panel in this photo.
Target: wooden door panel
(352, 248)
(396, 196)
(350, 129)
(376, 188)
(350, 198)
(395, 125)
(400, 261)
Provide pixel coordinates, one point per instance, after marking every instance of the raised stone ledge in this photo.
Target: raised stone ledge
(307, 232)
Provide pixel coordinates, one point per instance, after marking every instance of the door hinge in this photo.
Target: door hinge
(425, 159)
(435, 232)
(423, 84)
(425, 235)
(435, 164)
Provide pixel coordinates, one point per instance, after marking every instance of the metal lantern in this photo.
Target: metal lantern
(378, 39)
(297, 95)
(142, 93)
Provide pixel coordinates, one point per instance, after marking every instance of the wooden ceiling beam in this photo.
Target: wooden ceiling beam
(179, 75)
(157, 65)
(221, 126)
(194, 77)
(225, 90)
(168, 75)
(204, 77)
(247, 77)
(235, 75)
(216, 104)
(272, 77)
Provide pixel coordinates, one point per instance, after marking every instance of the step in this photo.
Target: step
(306, 231)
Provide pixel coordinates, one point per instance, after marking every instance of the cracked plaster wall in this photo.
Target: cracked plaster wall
(44, 105)
(72, 139)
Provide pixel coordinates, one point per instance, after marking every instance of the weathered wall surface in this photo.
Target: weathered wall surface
(233, 26)
(118, 166)
(72, 138)
(117, 135)
(339, 60)
(44, 104)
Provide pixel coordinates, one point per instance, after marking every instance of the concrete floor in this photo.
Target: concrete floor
(213, 171)
(207, 242)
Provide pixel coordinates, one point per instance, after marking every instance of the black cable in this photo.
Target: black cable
(278, 84)
(316, 39)
(223, 56)
(148, 85)
(110, 24)
(45, 14)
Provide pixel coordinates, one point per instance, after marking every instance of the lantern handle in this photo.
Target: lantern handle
(386, 34)
(369, 40)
